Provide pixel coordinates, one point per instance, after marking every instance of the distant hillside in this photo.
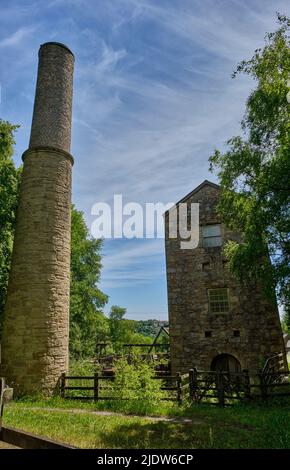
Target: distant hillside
(150, 327)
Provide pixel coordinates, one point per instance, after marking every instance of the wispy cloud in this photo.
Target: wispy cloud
(132, 265)
(152, 98)
(109, 60)
(16, 38)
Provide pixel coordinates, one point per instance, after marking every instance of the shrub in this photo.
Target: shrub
(135, 381)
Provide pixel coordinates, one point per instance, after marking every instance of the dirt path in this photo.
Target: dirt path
(112, 413)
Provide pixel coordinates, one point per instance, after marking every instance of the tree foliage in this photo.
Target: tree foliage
(135, 381)
(150, 327)
(254, 172)
(286, 319)
(88, 324)
(9, 187)
(123, 331)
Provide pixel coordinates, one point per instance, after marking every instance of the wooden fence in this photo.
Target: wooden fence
(211, 387)
(225, 388)
(86, 388)
(97, 387)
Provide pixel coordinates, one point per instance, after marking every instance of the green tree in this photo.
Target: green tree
(123, 331)
(9, 188)
(254, 172)
(117, 326)
(88, 324)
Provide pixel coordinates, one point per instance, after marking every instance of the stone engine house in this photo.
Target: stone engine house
(215, 322)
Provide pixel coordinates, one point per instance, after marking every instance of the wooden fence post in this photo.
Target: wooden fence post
(62, 385)
(220, 389)
(179, 391)
(247, 385)
(263, 387)
(96, 386)
(192, 383)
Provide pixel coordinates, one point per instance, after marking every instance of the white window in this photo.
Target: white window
(211, 235)
(218, 300)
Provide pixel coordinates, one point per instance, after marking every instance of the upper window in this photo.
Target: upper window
(218, 300)
(211, 235)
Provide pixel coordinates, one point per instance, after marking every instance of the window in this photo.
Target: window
(207, 334)
(218, 300)
(236, 333)
(211, 235)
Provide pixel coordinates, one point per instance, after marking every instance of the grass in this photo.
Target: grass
(130, 407)
(240, 427)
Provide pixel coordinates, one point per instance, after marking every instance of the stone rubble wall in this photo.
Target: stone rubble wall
(189, 274)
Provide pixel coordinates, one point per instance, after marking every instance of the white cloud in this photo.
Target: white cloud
(131, 264)
(109, 60)
(16, 38)
(152, 97)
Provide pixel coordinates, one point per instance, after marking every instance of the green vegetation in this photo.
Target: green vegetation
(254, 172)
(286, 319)
(150, 327)
(123, 331)
(128, 407)
(9, 187)
(133, 389)
(242, 427)
(88, 323)
(135, 381)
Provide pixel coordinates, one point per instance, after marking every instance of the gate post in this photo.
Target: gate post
(178, 383)
(247, 385)
(220, 389)
(62, 385)
(192, 383)
(96, 386)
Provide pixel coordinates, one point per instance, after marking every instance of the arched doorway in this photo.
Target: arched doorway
(226, 363)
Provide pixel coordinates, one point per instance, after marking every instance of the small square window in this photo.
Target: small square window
(236, 333)
(211, 235)
(218, 300)
(207, 334)
(205, 266)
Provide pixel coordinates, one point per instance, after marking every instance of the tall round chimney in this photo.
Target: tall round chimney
(36, 322)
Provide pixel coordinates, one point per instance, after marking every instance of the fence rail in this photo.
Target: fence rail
(212, 387)
(224, 388)
(173, 384)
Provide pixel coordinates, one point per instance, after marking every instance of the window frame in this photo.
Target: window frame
(210, 237)
(210, 301)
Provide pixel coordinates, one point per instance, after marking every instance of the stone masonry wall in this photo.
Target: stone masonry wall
(51, 122)
(189, 274)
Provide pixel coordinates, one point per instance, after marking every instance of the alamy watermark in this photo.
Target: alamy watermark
(133, 220)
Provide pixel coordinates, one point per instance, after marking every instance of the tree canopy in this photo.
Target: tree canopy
(88, 323)
(9, 187)
(254, 172)
(123, 331)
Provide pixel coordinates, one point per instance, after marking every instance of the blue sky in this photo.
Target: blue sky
(153, 97)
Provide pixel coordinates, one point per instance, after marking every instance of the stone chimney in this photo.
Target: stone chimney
(36, 323)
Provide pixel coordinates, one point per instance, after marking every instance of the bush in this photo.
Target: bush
(82, 367)
(135, 381)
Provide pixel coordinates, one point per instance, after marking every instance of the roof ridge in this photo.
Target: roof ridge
(195, 190)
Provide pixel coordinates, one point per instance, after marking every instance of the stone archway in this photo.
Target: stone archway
(225, 363)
